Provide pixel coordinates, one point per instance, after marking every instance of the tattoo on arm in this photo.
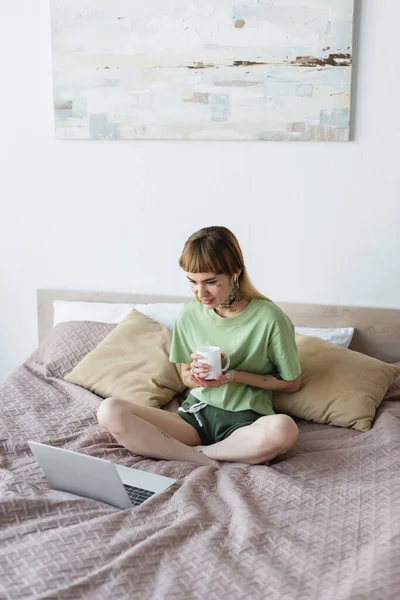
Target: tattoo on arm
(165, 434)
(186, 373)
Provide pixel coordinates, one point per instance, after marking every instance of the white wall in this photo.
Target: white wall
(318, 222)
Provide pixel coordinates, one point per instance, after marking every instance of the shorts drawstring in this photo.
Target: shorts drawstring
(194, 409)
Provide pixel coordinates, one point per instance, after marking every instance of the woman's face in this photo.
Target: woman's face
(212, 289)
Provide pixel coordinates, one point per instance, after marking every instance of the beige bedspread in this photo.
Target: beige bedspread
(322, 523)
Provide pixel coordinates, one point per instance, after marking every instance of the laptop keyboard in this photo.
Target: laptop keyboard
(137, 495)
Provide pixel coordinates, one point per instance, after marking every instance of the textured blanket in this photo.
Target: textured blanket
(321, 523)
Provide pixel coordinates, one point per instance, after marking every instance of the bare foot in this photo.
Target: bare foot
(200, 449)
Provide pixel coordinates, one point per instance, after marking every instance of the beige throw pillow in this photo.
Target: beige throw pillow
(132, 363)
(339, 386)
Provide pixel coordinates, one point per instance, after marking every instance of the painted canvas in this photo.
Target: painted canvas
(202, 69)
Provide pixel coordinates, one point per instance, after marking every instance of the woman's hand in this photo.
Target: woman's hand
(223, 379)
(200, 370)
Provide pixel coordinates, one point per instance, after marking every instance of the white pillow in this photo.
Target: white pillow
(109, 312)
(340, 336)
(165, 313)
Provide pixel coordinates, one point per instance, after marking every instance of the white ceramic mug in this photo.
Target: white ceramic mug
(211, 355)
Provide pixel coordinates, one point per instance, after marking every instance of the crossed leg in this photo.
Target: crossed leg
(160, 434)
(257, 443)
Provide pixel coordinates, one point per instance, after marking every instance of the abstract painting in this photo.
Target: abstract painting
(202, 69)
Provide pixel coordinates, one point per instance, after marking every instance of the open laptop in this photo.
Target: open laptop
(97, 478)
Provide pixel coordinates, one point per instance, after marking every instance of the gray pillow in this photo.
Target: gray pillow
(67, 344)
(393, 392)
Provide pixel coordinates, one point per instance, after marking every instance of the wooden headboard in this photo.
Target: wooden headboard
(377, 330)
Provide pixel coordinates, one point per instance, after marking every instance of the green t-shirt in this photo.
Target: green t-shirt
(259, 340)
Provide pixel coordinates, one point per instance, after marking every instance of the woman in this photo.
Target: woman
(230, 418)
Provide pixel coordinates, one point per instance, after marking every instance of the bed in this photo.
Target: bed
(321, 523)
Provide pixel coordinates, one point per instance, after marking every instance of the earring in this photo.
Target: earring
(236, 282)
